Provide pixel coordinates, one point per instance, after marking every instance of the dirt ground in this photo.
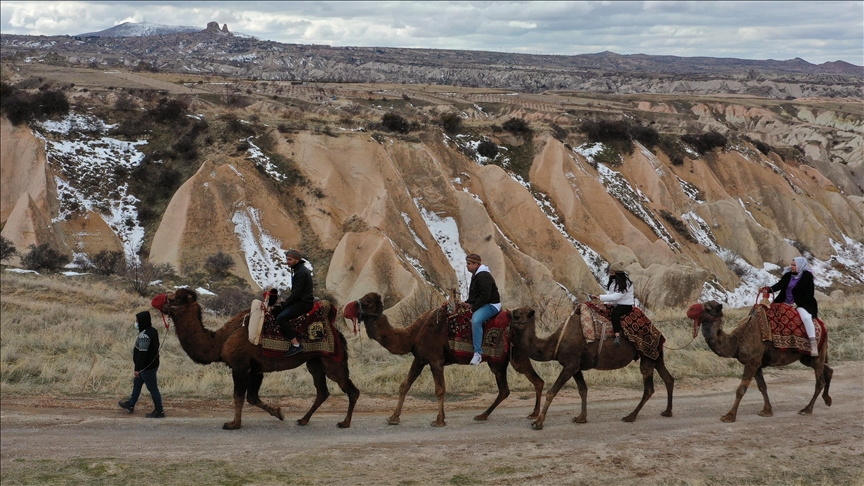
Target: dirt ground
(87, 441)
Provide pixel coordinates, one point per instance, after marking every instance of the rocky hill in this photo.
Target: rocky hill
(176, 168)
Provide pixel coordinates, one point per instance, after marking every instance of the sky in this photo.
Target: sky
(814, 31)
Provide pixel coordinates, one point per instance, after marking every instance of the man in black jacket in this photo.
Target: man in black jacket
(299, 302)
(145, 356)
(484, 299)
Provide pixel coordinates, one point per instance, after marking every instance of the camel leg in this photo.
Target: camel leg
(503, 389)
(669, 381)
(528, 370)
(413, 373)
(440, 389)
(319, 379)
(828, 373)
(241, 384)
(339, 373)
(252, 398)
(647, 368)
(566, 374)
(583, 394)
(767, 411)
(818, 365)
(749, 371)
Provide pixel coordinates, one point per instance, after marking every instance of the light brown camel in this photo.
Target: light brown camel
(745, 344)
(426, 339)
(575, 354)
(230, 345)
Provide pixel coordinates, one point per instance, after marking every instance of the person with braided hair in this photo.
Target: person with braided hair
(621, 297)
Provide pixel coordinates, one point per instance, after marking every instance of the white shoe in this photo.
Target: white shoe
(814, 348)
(477, 359)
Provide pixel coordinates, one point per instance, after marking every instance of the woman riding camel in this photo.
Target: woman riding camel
(621, 297)
(796, 289)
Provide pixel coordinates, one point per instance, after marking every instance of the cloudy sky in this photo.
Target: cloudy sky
(816, 31)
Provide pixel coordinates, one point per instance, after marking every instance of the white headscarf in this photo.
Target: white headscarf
(800, 264)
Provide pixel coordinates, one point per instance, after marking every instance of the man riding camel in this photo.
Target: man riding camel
(484, 299)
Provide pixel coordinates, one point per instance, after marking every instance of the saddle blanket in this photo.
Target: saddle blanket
(636, 326)
(496, 335)
(317, 335)
(781, 324)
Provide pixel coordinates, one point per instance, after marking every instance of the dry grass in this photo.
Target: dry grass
(73, 337)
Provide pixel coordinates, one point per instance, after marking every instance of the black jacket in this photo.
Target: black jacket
(803, 293)
(301, 285)
(146, 352)
(482, 291)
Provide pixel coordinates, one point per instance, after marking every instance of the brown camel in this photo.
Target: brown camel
(426, 339)
(745, 344)
(230, 345)
(568, 346)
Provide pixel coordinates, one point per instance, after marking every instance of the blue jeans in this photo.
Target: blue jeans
(480, 316)
(146, 377)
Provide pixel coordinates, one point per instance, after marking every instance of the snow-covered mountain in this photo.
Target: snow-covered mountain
(143, 29)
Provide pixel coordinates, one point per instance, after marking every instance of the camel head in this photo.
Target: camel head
(370, 306)
(179, 298)
(522, 318)
(712, 310)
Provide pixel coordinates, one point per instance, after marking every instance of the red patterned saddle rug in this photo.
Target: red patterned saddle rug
(636, 326)
(781, 324)
(317, 335)
(496, 335)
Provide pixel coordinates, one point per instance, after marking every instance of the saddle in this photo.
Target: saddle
(636, 326)
(496, 335)
(317, 335)
(782, 325)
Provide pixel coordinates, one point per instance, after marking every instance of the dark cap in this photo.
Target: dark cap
(473, 258)
(294, 253)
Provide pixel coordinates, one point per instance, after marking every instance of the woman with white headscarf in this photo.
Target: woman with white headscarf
(796, 289)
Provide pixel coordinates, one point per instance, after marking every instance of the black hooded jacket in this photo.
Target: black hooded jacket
(146, 352)
(802, 293)
(301, 285)
(482, 290)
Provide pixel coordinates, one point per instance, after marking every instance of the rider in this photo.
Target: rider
(796, 289)
(484, 299)
(621, 298)
(299, 302)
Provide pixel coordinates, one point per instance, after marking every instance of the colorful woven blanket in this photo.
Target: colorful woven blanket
(636, 326)
(781, 324)
(317, 335)
(496, 335)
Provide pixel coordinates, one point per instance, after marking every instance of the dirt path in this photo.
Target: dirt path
(693, 447)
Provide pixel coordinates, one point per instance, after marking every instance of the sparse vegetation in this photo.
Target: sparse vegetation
(44, 258)
(451, 123)
(705, 142)
(395, 123)
(219, 264)
(22, 107)
(7, 249)
(108, 262)
(487, 149)
(517, 126)
(230, 301)
(677, 225)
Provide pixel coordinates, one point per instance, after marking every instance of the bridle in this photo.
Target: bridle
(362, 316)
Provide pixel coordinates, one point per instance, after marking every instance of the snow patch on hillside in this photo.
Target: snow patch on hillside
(264, 255)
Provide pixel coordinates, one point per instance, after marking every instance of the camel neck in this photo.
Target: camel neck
(724, 345)
(397, 341)
(202, 345)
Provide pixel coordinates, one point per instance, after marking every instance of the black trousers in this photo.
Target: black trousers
(618, 312)
(292, 311)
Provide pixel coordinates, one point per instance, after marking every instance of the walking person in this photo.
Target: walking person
(145, 357)
(484, 299)
(299, 302)
(796, 289)
(620, 297)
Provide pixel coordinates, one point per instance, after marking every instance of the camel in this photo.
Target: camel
(426, 339)
(568, 346)
(745, 344)
(248, 364)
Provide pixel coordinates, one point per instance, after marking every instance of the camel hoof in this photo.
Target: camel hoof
(230, 426)
(279, 414)
(805, 411)
(537, 425)
(533, 416)
(302, 421)
(393, 421)
(481, 417)
(827, 400)
(629, 419)
(766, 413)
(438, 424)
(727, 418)
(580, 420)
(667, 413)
(343, 425)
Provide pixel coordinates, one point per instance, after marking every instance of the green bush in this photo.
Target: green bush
(395, 123)
(517, 126)
(170, 111)
(7, 249)
(108, 262)
(44, 257)
(22, 107)
(705, 142)
(487, 149)
(219, 264)
(451, 123)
